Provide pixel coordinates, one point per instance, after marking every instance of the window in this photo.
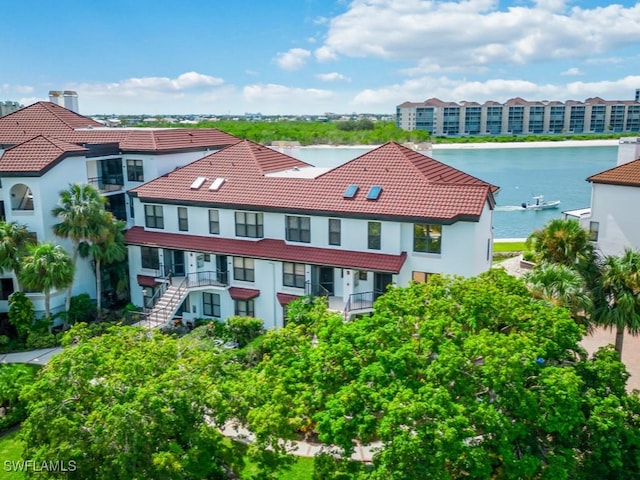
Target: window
(243, 269)
(293, 275)
(6, 288)
(334, 231)
(207, 257)
(420, 276)
(594, 228)
(211, 304)
(298, 229)
(363, 275)
(214, 221)
(374, 233)
(153, 217)
(249, 224)
(244, 308)
(132, 210)
(150, 258)
(135, 172)
(427, 238)
(183, 219)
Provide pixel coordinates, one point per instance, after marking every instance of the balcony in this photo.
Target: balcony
(107, 183)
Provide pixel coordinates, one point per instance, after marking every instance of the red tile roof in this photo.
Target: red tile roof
(286, 298)
(414, 186)
(49, 119)
(238, 293)
(147, 281)
(269, 249)
(627, 174)
(37, 155)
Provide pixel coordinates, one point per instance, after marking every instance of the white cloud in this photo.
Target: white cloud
(478, 32)
(325, 54)
(268, 93)
(573, 71)
(294, 59)
(18, 89)
(332, 77)
(455, 90)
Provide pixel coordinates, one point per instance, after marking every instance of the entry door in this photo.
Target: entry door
(221, 268)
(174, 262)
(326, 279)
(380, 282)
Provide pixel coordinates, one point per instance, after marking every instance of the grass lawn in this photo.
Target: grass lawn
(500, 247)
(10, 450)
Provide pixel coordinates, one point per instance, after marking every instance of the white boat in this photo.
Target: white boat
(538, 203)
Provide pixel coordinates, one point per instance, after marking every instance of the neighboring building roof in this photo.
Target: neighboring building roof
(49, 119)
(269, 249)
(414, 186)
(37, 155)
(40, 118)
(147, 281)
(285, 299)
(627, 174)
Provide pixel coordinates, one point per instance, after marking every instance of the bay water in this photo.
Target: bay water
(558, 173)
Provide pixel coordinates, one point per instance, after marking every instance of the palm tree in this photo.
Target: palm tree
(14, 240)
(619, 294)
(106, 248)
(564, 242)
(562, 286)
(46, 267)
(80, 212)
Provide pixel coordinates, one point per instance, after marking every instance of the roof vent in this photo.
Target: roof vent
(351, 191)
(197, 183)
(374, 192)
(217, 183)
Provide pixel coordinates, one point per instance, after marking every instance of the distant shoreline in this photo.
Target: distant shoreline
(482, 145)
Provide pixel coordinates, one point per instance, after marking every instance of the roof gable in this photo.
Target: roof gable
(37, 155)
(627, 174)
(412, 185)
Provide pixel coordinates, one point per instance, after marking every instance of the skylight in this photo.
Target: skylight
(197, 183)
(351, 191)
(374, 192)
(217, 183)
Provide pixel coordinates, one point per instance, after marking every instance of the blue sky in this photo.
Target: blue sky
(314, 56)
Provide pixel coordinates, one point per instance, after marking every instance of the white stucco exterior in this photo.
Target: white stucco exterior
(612, 210)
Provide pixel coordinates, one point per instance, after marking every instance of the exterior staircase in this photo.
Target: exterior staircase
(165, 308)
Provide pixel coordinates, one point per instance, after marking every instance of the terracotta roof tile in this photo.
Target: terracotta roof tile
(49, 119)
(238, 293)
(269, 249)
(147, 281)
(37, 155)
(413, 185)
(286, 298)
(627, 174)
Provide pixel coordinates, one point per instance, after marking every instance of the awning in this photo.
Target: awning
(147, 281)
(285, 298)
(238, 293)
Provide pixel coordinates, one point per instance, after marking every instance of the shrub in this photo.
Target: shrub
(22, 314)
(12, 378)
(82, 309)
(37, 340)
(244, 329)
(529, 256)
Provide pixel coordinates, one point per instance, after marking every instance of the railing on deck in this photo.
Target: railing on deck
(315, 290)
(159, 316)
(360, 301)
(107, 183)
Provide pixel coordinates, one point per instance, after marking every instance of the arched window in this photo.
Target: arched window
(21, 197)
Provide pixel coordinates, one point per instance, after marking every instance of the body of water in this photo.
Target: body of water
(558, 173)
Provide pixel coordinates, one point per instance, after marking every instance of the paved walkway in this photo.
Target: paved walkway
(34, 357)
(599, 337)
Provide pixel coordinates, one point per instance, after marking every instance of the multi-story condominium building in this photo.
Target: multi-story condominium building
(519, 117)
(247, 229)
(45, 147)
(8, 107)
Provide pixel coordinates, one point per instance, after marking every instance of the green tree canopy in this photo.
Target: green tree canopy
(80, 211)
(564, 242)
(14, 240)
(46, 267)
(456, 378)
(128, 404)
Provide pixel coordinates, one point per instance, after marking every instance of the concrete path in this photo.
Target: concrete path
(34, 357)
